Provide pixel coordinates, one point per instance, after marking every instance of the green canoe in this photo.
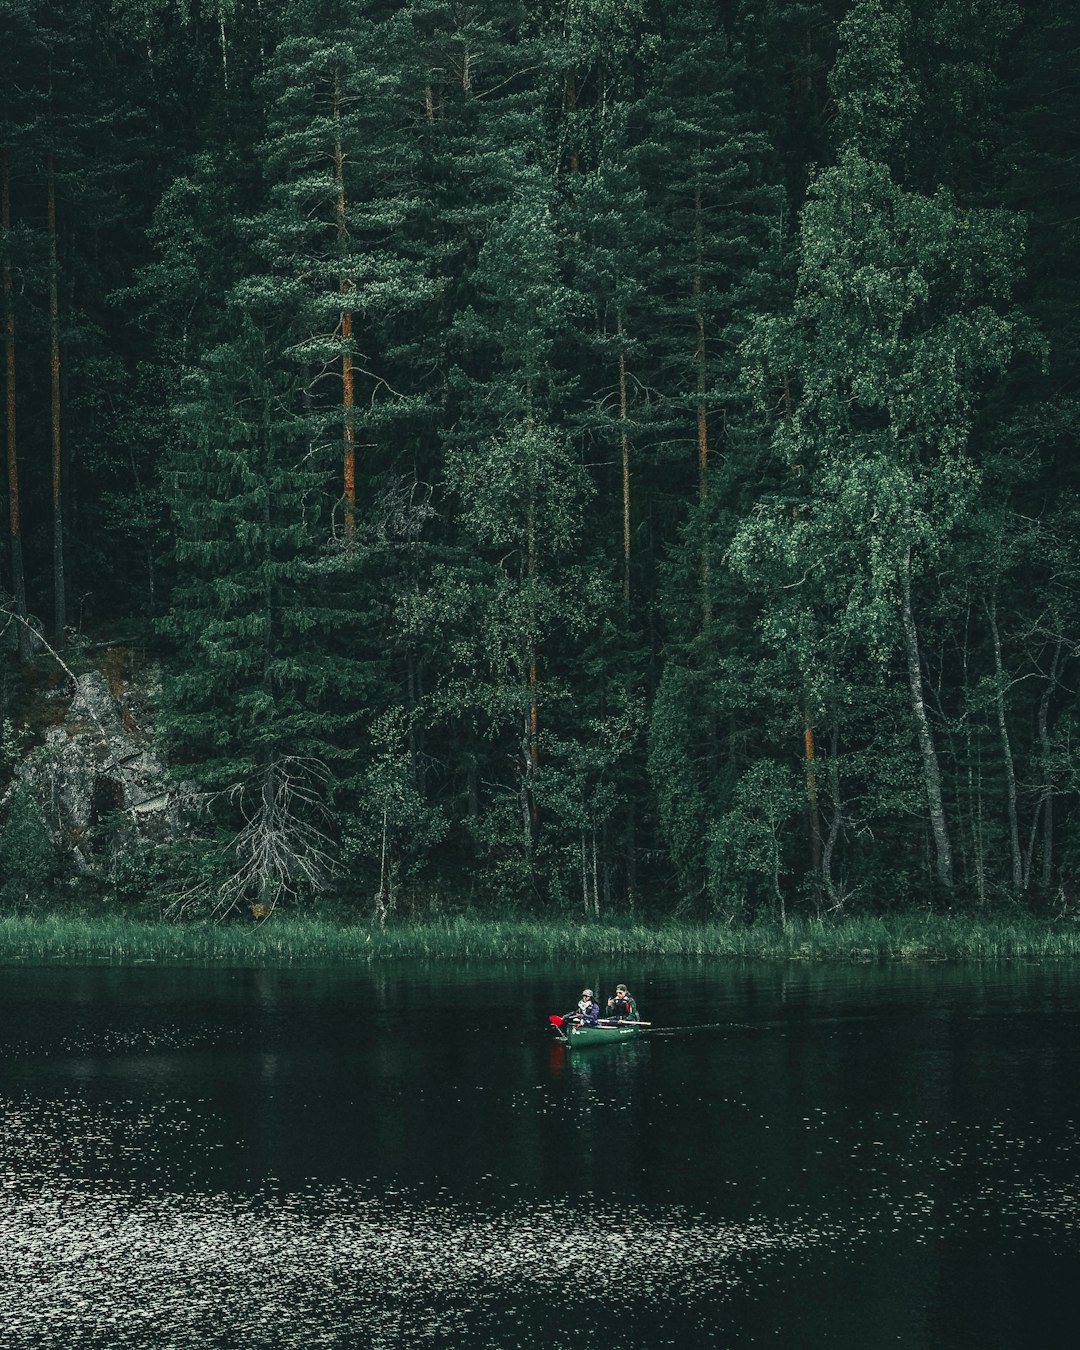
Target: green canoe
(577, 1038)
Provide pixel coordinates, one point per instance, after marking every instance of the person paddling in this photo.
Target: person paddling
(622, 1006)
(587, 1012)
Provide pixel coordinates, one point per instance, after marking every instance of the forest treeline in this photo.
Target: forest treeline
(567, 457)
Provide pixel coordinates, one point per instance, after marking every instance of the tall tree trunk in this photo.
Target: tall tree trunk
(624, 441)
(414, 679)
(1048, 788)
(570, 98)
(595, 878)
(59, 595)
(931, 769)
(223, 43)
(835, 822)
(533, 727)
(1006, 749)
(777, 892)
(631, 845)
(345, 285)
(979, 827)
(702, 420)
(18, 581)
(813, 811)
(974, 790)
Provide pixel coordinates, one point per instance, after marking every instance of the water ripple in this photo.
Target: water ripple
(341, 1266)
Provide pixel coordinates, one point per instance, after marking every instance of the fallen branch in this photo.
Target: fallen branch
(40, 637)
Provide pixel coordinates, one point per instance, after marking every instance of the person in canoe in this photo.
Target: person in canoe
(587, 1012)
(622, 1006)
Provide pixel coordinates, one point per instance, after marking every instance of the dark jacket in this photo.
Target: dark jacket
(587, 1014)
(624, 1007)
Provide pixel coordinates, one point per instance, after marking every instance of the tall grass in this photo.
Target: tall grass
(901, 938)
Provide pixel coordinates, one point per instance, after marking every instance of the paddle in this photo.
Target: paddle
(557, 1020)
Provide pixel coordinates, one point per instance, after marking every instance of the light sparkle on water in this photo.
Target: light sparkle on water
(834, 1168)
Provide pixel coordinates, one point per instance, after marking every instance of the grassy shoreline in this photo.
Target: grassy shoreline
(59, 937)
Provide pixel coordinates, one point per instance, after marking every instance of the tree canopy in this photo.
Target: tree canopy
(568, 458)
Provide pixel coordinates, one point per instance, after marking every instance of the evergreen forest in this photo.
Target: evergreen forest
(572, 459)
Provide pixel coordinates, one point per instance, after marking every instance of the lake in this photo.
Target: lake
(799, 1156)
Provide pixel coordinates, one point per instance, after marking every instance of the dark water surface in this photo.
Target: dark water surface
(843, 1157)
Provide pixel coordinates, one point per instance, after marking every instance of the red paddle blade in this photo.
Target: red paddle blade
(555, 1020)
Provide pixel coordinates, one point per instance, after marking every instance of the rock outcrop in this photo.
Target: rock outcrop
(100, 785)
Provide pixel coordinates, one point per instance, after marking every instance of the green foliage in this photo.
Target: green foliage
(10, 750)
(877, 95)
(624, 451)
(29, 860)
(390, 836)
(679, 729)
(746, 865)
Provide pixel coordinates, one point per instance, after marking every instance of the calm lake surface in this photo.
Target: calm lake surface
(832, 1156)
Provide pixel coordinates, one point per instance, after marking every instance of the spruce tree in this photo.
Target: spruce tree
(258, 702)
(713, 184)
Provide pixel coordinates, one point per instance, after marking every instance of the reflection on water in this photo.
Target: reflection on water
(320, 1266)
(797, 1156)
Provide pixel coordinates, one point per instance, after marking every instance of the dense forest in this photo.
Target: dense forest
(592, 456)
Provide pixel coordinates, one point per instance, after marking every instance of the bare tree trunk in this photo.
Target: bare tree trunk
(974, 788)
(59, 592)
(604, 836)
(278, 853)
(382, 906)
(1006, 749)
(224, 53)
(525, 793)
(18, 581)
(931, 769)
(595, 886)
(1033, 837)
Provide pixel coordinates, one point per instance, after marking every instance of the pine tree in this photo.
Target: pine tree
(335, 232)
(712, 180)
(259, 702)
